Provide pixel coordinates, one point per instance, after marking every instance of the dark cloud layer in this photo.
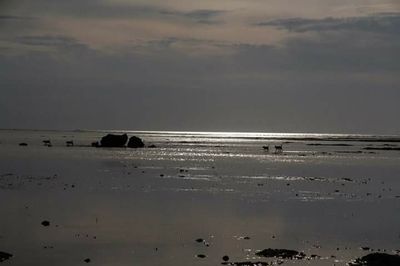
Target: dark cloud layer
(382, 23)
(104, 10)
(49, 40)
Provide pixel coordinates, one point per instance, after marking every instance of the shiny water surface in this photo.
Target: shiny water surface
(324, 194)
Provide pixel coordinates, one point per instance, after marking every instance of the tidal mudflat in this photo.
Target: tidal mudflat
(199, 199)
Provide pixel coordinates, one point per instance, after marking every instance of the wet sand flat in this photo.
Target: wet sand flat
(192, 201)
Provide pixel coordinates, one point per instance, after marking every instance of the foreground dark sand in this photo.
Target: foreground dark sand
(192, 204)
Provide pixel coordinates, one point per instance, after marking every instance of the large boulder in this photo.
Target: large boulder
(111, 140)
(135, 142)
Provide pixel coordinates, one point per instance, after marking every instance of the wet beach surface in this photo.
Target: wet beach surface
(192, 201)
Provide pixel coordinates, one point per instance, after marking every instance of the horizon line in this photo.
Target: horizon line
(196, 132)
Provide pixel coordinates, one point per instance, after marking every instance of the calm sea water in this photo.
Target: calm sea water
(324, 194)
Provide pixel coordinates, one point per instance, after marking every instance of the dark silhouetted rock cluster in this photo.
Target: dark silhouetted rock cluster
(119, 141)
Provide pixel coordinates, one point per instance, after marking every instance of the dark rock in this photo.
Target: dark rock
(199, 240)
(135, 142)
(246, 263)
(87, 260)
(152, 146)
(111, 140)
(225, 258)
(5, 256)
(69, 143)
(281, 253)
(47, 143)
(95, 144)
(45, 223)
(347, 179)
(23, 144)
(377, 259)
(201, 256)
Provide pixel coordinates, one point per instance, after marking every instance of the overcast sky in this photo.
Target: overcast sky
(210, 65)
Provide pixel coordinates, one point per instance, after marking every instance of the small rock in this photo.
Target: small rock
(87, 260)
(281, 253)
(95, 144)
(5, 256)
(201, 256)
(45, 223)
(225, 258)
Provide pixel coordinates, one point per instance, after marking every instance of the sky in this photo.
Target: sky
(327, 66)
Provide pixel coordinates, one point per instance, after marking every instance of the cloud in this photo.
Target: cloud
(110, 10)
(48, 40)
(59, 46)
(203, 13)
(380, 23)
(187, 46)
(12, 17)
(204, 16)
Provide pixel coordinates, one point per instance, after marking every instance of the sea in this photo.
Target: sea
(191, 198)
